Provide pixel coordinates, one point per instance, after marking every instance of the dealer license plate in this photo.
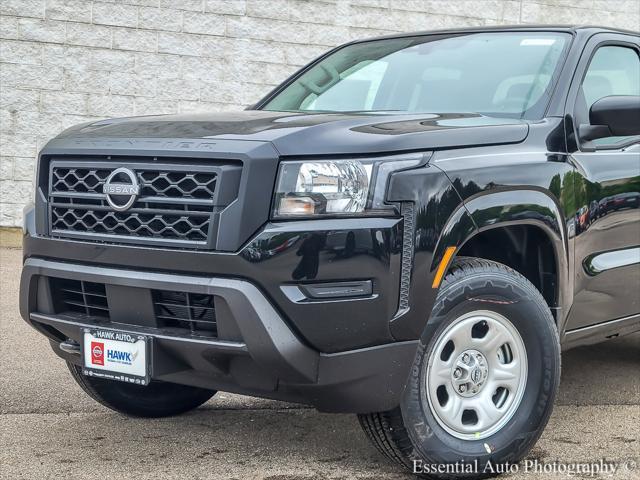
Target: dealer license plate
(115, 355)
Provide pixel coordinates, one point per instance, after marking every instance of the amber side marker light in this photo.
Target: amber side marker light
(442, 268)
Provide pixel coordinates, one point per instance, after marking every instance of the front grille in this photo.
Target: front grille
(156, 183)
(178, 184)
(176, 203)
(77, 297)
(136, 224)
(192, 311)
(84, 180)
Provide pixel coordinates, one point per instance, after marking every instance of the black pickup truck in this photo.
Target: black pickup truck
(411, 228)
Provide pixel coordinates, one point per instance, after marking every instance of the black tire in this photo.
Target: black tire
(158, 399)
(410, 434)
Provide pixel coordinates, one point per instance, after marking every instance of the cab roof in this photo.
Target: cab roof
(512, 28)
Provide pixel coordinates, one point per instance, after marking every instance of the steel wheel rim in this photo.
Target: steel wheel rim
(472, 397)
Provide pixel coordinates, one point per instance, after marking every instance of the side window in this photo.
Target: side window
(614, 70)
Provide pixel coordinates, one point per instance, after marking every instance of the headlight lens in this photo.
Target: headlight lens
(336, 187)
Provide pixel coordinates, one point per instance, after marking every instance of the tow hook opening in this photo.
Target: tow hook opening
(70, 346)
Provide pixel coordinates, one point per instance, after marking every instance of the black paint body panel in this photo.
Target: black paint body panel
(299, 134)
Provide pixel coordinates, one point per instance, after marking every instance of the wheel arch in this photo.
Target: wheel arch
(529, 214)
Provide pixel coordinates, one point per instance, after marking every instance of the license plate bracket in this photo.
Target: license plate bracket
(116, 355)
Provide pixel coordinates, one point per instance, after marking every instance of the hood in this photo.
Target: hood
(297, 134)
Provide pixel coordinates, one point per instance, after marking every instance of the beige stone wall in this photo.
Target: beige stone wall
(68, 61)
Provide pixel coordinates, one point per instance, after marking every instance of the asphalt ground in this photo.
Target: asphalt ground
(50, 428)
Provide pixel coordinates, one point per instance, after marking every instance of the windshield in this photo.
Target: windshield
(497, 74)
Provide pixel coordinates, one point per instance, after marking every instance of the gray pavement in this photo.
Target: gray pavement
(49, 428)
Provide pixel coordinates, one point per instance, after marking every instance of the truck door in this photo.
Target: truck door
(607, 189)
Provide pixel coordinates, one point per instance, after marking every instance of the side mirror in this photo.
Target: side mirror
(613, 116)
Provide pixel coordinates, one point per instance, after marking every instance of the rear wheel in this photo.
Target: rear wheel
(484, 379)
(157, 399)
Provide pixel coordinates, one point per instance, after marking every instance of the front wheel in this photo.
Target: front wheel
(484, 379)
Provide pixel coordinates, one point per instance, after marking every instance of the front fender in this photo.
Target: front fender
(515, 206)
(483, 211)
(436, 217)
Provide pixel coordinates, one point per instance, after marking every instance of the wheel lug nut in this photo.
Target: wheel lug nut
(457, 373)
(462, 388)
(465, 358)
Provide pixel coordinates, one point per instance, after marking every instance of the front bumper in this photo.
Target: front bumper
(279, 260)
(256, 352)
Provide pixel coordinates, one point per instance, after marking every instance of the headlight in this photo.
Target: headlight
(336, 187)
